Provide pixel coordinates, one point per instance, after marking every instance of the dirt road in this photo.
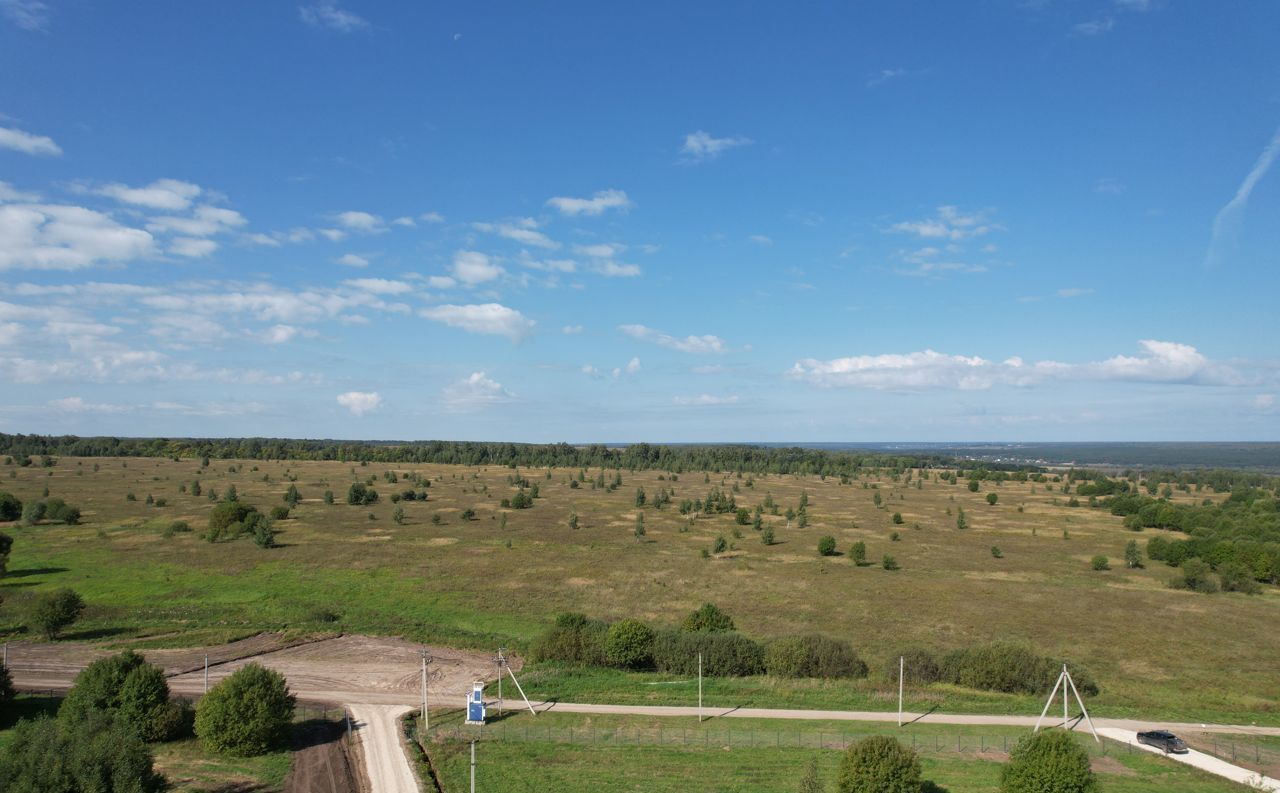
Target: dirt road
(378, 679)
(386, 764)
(1204, 762)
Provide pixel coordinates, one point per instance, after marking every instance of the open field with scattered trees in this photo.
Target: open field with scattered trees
(931, 559)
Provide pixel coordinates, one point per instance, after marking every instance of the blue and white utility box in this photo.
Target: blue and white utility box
(475, 704)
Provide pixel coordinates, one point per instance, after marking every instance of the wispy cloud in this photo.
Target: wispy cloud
(1160, 362)
(26, 14)
(1228, 221)
(949, 223)
(493, 319)
(596, 205)
(705, 400)
(1109, 186)
(698, 345)
(701, 146)
(522, 230)
(27, 143)
(883, 76)
(329, 16)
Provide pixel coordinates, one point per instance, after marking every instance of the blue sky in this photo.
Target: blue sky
(1018, 220)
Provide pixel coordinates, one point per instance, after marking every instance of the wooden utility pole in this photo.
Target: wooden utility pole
(699, 688)
(901, 669)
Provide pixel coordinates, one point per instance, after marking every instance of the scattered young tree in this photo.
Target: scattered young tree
(879, 764)
(1050, 760)
(708, 618)
(397, 516)
(328, 496)
(246, 714)
(721, 545)
(639, 530)
(827, 546)
(10, 507)
(811, 782)
(231, 493)
(640, 498)
(858, 552)
(1132, 556)
(889, 563)
(292, 496)
(468, 514)
(6, 545)
(766, 535)
(54, 611)
(360, 494)
(996, 552)
(897, 519)
(1100, 562)
(992, 498)
(961, 522)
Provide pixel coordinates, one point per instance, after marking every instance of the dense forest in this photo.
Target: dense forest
(639, 456)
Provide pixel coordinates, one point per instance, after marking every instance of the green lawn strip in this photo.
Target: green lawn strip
(557, 683)
(537, 766)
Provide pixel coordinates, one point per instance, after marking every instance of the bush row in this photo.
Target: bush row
(578, 640)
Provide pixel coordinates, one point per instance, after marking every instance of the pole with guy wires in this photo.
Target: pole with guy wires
(426, 719)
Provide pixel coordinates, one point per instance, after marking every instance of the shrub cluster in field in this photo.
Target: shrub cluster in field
(631, 644)
(52, 510)
(1000, 666)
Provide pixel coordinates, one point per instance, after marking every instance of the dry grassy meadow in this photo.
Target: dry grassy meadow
(503, 575)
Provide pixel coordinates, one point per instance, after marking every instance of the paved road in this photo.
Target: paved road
(385, 762)
(1204, 762)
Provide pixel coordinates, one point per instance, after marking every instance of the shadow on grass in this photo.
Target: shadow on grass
(34, 571)
(28, 707)
(928, 786)
(96, 633)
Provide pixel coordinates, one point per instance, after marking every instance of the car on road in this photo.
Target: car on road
(1163, 740)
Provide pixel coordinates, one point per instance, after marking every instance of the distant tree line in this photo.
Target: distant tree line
(638, 456)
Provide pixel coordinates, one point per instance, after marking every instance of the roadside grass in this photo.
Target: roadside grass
(1156, 652)
(534, 766)
(190, 769)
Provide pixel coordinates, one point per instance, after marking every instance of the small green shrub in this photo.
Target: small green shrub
(629, 644)
(827, 546)
(813, 656)
(248, 713)
(1051, 760)
(879, 764)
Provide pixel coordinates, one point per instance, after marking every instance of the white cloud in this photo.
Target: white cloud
(26, 14)
(474, 393)
(1161, 362)
(361, 222)
(760, 239)
(262, 239)
(570, 330)
(10, 193)
(27, 143)
(192, 247)
(491, 319)
(441, 282)
(705, 400)
(406, 221)
(633, 366)
(949, 224)
(380, 286)
(78, 405)
(1264, 402)
(280, 334)
(1109, 185)
(1095, 27)
(431, 217)
(522, 230)
(332, 235)
(689, 344)
(1227, 223)
(603, 250)
(549, 265)
(352, 260)
(473, 267)
(596, 205)
(205, 221)
(611, 269)
(167, 194)
(360, 402)
(1075, 291)
(883, 76)
(329, 15)
(62, 237)
(699, 146)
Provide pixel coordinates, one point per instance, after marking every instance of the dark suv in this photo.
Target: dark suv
(1163, 740)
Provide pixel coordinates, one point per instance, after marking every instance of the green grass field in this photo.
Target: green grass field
(1155, 651)
(567, 752)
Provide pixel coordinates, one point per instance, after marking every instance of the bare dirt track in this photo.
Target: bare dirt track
(320, 761)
